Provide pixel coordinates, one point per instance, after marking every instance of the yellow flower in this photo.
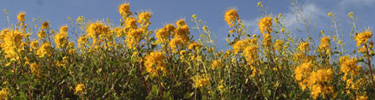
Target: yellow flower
(264, 24)
(304, 46)
(4, 93)
(201, 81)
(45, 25)
(134, 36)
(34, 45)
(154, 62)
(79, 88)
(35, 69)
(79, 19)
(124, 10)
(131, 22)
(330, 14)
(144, 17)
(180, 23)
(41, 34)
(267, 38)
(217, 64)
(250, 53)
(194, 46)
(259, 4)
(363, 37)
(175, 43)
(21, 17)
(231, 16)
(325, 43)
(45, 49)
(82, 41)
(12, 43)
(64, 29)
(61, 39)
(279, 44)
(350, 15)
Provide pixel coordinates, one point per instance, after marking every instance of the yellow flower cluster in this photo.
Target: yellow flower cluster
(41, 34)
(267, 40)
(301, 72)
(124, 10)
(154, 62)
(194, 46)
(182, 31)
(217, 64)
(250, 53)
(61, 38)
(319, 83)
(279, 45)
(201, 81)
(45, 25)
(11, 43)
(4, 93)
(21, 17)
(79, 89)
(303, 47)
(35, 69)
(265, 25)
(45, 49)
(325, 43)
(131, 22)
(362, 38)
(144, 17)
(133, 37)
(349, 65)
(163, 34)
(231, 16)
(242, 44)
(96, 31)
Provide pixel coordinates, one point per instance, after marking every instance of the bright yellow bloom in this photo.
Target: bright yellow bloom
(124, 10)
(162, 35)
(144, 17)
(231, 16)
(350, 15)
(201, 81)
(45, 49)
(134, 36)
(4, 93)
(330, 14)
(12, 43)
(21, 17)
(175, 43)
(95, 30)
(34, 45)
(79, 88)
(363, 37)
(319, 83)
(180, 23)
(250, 53)
(267, 39)
(45, 25)
(131, 22)
(194, 46)
(304, 46)
(265, 25)
(325, 43)
(154, 62)
(61, 39)
(41, 34)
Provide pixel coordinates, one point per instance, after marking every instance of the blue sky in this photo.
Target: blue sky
(210, 11)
